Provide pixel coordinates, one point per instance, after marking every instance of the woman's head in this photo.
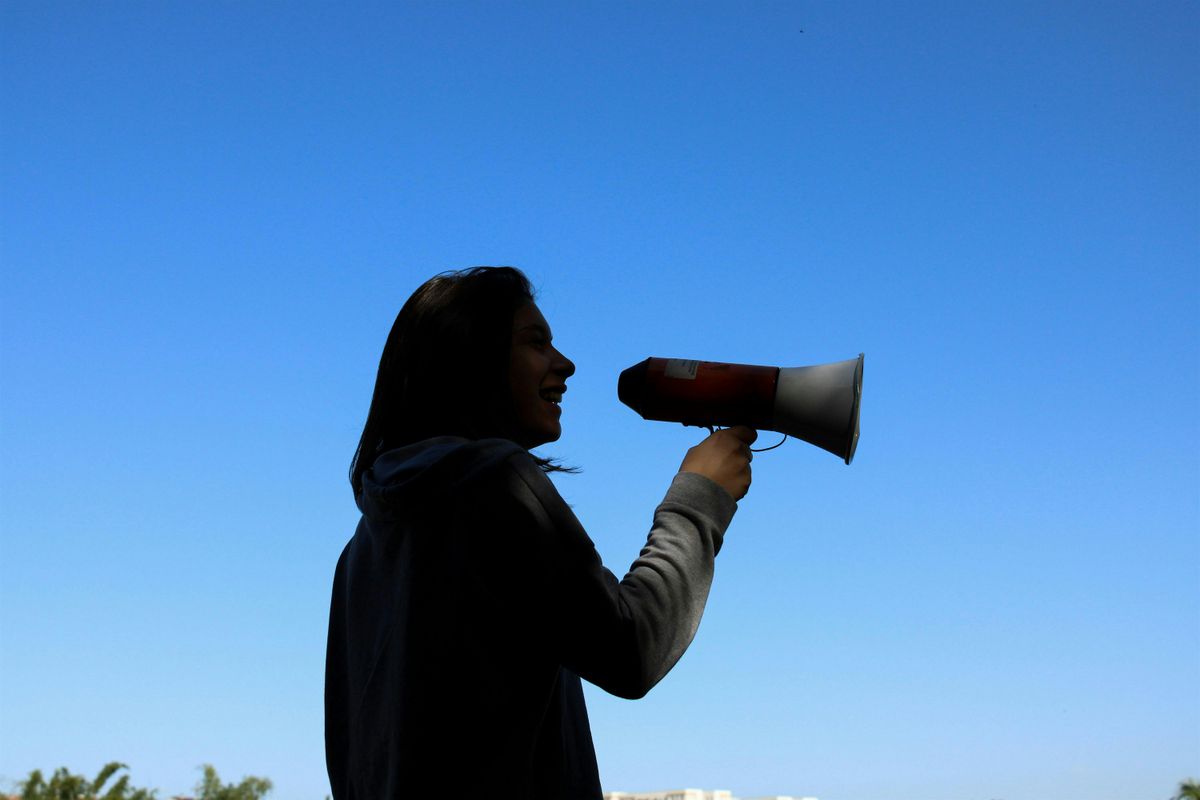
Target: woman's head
(455, 364)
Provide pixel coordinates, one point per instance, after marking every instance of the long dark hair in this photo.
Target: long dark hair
(444, 369)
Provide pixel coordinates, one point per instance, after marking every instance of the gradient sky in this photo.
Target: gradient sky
(212, 212)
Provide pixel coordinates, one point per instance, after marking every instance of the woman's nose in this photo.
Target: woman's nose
(564, 365)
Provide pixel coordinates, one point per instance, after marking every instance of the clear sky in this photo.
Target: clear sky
(212, 212)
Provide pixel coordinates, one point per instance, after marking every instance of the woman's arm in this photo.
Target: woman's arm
(623, 636)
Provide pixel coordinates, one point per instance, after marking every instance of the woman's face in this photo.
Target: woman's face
(537, 378)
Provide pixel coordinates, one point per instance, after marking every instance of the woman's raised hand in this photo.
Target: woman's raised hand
(724, 458)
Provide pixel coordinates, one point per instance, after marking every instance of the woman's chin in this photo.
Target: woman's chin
(546, 435)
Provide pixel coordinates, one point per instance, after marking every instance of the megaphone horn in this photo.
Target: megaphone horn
(818, 404)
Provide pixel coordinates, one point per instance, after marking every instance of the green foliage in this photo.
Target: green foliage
(210, 787)
(65, 786)
(1188, 790)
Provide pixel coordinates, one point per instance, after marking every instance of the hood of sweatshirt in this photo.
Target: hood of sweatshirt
(423, 471)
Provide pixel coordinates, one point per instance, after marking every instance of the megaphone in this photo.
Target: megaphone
(818, 404)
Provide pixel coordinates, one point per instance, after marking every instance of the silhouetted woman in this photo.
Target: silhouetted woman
(470, 601)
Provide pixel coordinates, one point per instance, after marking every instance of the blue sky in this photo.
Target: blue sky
(212, 212)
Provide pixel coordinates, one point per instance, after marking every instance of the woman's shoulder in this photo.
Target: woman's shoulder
(517, 483)
(519, 472)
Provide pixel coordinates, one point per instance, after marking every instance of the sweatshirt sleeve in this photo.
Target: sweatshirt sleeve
(622, 635)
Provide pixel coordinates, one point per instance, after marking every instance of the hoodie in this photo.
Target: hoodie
(468, 605)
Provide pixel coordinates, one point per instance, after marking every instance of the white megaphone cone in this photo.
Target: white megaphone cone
(819, 404)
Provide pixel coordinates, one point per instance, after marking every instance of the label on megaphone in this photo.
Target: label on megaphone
(681, 368)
